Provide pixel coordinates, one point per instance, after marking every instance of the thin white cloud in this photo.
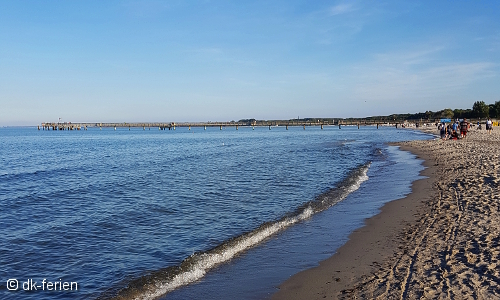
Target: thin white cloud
(342, 9)
(413, 57)
(380, 82)
(210, 50)
(345, 20)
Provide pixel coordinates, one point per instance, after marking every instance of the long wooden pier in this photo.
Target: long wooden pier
(174, 125)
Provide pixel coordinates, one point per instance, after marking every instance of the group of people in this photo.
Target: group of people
(451, 131)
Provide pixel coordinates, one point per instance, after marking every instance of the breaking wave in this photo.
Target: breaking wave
(193, 268)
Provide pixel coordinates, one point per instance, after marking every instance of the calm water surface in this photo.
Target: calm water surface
(186, 214)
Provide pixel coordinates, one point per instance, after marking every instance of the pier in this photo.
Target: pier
(220, 125)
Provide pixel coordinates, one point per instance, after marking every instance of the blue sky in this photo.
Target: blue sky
(151, 60)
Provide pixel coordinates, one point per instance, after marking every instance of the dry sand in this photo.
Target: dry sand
(440, 242)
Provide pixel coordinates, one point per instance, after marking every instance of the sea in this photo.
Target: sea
(186, 213)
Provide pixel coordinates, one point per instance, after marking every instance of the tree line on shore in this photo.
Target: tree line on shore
(480, 110)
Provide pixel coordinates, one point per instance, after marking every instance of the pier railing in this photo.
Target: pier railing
(173, 125)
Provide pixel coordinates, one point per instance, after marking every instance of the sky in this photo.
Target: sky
(180, 61)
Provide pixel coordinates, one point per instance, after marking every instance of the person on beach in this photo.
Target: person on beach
(443, 131)
(464, 127)
(454, 135)
(489, 125)
(453, 132)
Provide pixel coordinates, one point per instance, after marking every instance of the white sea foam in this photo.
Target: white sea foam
(206, 261)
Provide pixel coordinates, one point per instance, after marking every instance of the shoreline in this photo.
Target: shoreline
(440, 241)
(366, 248)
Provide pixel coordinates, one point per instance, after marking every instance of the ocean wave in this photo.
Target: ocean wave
(193, 268)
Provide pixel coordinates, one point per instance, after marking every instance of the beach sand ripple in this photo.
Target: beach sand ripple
(452, 251)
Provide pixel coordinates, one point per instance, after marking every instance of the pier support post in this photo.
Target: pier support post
(220, 126)
(189, 127)
(236, 127)
(269, 127)
(304, 126)
(339, 126)
(321, 126)
(286, 127)
(358, 125)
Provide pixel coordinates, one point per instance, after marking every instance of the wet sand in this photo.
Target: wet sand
(440, 242)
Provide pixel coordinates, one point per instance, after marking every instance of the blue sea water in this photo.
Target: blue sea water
(186, 214)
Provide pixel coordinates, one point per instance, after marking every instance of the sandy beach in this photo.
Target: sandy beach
(442, 241)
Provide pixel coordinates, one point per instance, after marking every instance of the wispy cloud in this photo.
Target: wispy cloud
(413, 57)
(208, 51)
(345, 20)
(389, 82)
(342, 9)
(416, 78)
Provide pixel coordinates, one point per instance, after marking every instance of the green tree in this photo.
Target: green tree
(495, 110)
(492, 111)
(480, 109)
(457, 113)
(447, 113)
(428, 114)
